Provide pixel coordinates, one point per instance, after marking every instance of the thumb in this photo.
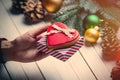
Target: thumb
(39, 30)
(41, 35)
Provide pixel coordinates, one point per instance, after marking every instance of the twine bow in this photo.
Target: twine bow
(67, 31)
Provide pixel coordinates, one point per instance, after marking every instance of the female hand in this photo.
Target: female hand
(24, 48)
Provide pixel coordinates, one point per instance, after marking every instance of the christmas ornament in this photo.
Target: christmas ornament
(17, 6)
(91, 21)
(34, 11)
(91, 35)
(110, 43)
(52, 5)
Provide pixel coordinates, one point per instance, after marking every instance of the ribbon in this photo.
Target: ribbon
(66, 31)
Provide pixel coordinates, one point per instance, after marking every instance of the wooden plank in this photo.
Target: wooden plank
(80, 67)
(32, 72)
(6, 25)
(18, 20)
(54, 69)
(95, 63)
(15, 70)
(8, 30)
(64, 69)
(48, 68)
(3, 73)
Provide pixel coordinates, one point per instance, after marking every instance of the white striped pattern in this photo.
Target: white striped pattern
(61, 54)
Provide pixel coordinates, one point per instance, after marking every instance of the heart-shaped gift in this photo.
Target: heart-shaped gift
(61, 36)
(60, 41)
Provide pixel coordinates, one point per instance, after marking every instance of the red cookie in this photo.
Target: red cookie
(60, 39)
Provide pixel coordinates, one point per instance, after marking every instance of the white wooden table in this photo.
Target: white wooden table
(86, 64)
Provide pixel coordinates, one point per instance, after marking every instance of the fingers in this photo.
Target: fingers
(39, 30)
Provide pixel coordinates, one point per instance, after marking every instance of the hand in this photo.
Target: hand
(23, 48)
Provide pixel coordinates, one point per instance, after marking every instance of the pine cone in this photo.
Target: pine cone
(17, 6)
(110, 43)
(34, 11)
(115, 74)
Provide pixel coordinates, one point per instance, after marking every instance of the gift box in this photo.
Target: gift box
(61, 54)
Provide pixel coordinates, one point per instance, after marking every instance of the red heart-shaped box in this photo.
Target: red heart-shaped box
(60, 40)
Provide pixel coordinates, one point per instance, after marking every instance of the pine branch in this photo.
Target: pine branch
(78, 24)
(89, 5)
(70, 22)
(64, 10)
(69, 14)
(69, 2)
(65, 15)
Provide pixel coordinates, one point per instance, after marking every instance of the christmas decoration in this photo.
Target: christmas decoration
(34, 11)
(115, 74)
(91, 35)
(17, 6)
(52, 5)
(110, 44)
(91, 21)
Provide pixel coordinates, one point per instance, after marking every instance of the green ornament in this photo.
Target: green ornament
(93, 19)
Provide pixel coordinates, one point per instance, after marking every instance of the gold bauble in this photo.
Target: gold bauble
(91, 35)
(52, 5)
